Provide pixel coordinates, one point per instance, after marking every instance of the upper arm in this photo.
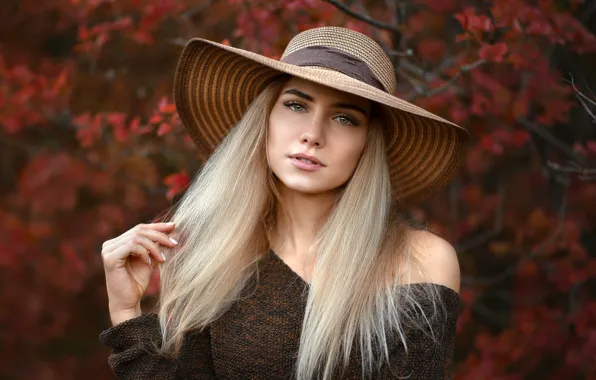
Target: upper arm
(436, 259)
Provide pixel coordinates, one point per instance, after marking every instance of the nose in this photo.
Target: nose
(313, 135)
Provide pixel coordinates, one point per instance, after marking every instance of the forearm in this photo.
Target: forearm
(133, 355)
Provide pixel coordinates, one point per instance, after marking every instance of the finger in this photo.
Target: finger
(153, 248)
(160, 226)
(113, 243)
(159, 237)
(122, 253)
(175, 235)
(142, 252)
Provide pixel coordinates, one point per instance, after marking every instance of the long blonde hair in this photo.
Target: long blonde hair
(224, 220)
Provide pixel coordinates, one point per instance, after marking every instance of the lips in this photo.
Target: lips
(312, 162)
(306, 166)
(302, 157)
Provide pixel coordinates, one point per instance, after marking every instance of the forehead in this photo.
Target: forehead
(320, 91)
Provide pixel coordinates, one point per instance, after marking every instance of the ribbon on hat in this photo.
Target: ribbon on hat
(324, 56)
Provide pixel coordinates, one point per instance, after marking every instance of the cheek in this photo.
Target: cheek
(277, 138)
(273, 137)
(282, 132)
(353, 147)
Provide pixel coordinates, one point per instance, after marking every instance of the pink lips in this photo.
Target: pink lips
(305, 165)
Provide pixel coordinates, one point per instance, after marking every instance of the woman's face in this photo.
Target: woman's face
(327, 124)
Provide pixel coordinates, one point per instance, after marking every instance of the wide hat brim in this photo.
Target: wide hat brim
(214, 84)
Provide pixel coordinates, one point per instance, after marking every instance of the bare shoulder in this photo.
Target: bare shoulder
(437, 260)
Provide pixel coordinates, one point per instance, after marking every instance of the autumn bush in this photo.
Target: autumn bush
(91, 145)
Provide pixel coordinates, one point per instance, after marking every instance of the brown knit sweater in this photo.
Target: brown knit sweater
(259, 336)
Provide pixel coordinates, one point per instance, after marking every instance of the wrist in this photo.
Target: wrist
(120, 315)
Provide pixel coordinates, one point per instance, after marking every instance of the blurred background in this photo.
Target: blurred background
(90, 145)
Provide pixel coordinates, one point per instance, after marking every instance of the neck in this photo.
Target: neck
(298, 219)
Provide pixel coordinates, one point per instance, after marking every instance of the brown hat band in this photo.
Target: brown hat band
(324, 56)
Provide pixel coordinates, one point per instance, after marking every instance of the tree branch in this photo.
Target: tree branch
(362, 17)
(375, 32)
(497, 224)
(584, 174)
(546, 135)
(476, 281)
(194, 10)
(447, 84)
(585, 101)
(256, 26)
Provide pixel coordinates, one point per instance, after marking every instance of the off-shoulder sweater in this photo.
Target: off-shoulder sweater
(259, 336)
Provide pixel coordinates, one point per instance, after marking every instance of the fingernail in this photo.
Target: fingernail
(163, 256)
(150, 261)
(170, 223)
(173, 240)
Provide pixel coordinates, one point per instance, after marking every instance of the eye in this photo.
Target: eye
(294, 106)
(346, 120)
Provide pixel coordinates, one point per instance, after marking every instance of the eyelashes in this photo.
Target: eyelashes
(291, 104)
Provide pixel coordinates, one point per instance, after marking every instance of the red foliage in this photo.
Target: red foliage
(493, 53)
(92, 144)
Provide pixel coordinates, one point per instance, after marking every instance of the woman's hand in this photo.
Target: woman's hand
(129, 261)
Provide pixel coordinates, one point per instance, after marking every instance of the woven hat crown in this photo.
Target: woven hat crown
(352, 42)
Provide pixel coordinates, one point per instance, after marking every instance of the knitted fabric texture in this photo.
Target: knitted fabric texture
(259, 336)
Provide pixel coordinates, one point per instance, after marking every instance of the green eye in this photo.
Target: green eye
(293, 105)
(346, 120)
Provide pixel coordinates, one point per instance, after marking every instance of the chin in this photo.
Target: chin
(306, 188)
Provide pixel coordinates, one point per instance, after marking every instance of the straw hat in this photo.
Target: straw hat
(215, 83)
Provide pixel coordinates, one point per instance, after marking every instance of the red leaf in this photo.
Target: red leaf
(480, 104)
(459, 114)
(121, 133)
(164, 129)
(539, 27)
(135, 124)
(418, 22)
(521, 106)
(60, 82)
(89, 129)
(12, 125)
(83, 33)
(142, 37)
(474, 23)
(579, 148)
(136, 127)
(439, 5)
(483, 341)
(527, 269)
(122, 23)
(75, 263)
(502, 136)
(555, 111)
(476, 162)
(431, 49)
(176, 183)
(493, 53)
(490, 145)
(518, 61)
(156, 119)
(165, 107)
(116, 119)
(519, 138)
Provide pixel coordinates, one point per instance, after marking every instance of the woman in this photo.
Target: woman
(290, 258)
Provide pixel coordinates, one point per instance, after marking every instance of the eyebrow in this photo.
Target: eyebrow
(339, 105)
